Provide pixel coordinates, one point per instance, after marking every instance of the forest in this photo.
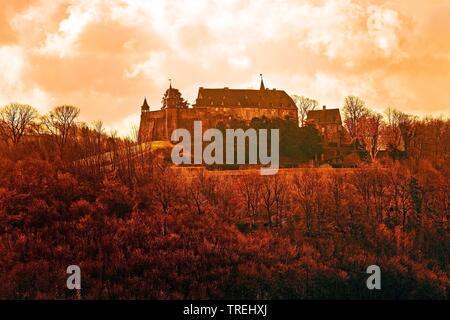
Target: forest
(71, 193)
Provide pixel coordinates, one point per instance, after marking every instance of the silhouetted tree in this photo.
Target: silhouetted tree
(60, 123)
(369, 133)
(304, 105)
(15, 120)
(354, 110)
(407, 126)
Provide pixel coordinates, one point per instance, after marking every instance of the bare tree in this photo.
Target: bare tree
(354, 110)
(195, 191)
(369, 133)
(60, 121)
(304, 105)
(280, 194)
(15, 120)
(134, 134)
(165, 190)
(306, 189)
(99, 131)
(407, 125)
(273, 196)
(268, 197)
(250, 189)
(336, 187)
(391, 134)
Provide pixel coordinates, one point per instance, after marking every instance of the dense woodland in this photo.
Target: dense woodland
(139, 228)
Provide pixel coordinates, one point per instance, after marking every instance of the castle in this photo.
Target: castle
(329, 124)
(215, 108)
(220, 107)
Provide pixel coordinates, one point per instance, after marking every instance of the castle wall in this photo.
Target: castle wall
(152, 126)
(224, 114)
(158, 125)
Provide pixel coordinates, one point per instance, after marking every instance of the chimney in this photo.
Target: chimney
(324, 107)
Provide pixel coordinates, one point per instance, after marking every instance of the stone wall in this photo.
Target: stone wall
(158, 125)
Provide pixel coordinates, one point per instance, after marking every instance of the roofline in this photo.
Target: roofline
(240, 89)
(325, 109)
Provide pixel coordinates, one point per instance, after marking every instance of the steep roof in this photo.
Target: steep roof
(241, 98)
(145, 105)
(324, 116)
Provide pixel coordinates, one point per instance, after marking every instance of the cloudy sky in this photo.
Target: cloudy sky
(105, 56)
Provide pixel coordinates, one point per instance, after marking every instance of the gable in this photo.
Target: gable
(325, 116)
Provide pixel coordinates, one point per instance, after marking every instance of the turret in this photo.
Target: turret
(262, 87)
(171, 100)
(145, 107)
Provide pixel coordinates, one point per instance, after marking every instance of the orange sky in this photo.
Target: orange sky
(105, 56)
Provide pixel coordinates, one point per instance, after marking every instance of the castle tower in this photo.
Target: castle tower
(145, 106)
(171, 96)
(171, 101)
(262, 87)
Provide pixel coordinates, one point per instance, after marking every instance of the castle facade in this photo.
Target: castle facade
(215, 108)
(328, 122)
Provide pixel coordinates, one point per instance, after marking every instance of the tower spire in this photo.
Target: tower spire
(145, 105)
(170, 83)
(262, 87)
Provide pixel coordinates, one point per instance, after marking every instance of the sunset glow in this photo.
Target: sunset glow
(106, 56)
(225, 159)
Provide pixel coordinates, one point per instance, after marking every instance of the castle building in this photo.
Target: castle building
(329, 124)
(214, 107)
(335, 149)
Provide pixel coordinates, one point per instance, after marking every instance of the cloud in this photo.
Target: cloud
(383, 25)
(105, 56)
(12, 64)
(127, 126)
